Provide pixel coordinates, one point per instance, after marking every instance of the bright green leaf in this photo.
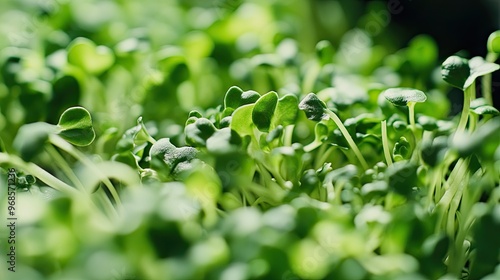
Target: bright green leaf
(286, 111)
(76, 126)
(494, 42)
(263, 111)
(242, 120)
(83, 53)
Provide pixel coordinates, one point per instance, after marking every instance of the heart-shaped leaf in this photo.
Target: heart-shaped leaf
(31, 138)
(263, 111)
(76, 126)
(83, 53)
(313, 107)
(401, 96)
(494, 42)
(236, 97)
(241, 120)
(479, 67)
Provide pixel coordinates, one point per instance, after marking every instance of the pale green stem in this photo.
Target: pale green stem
(287, 141)
(39, 173)
(411, 112)
(348, 137)
(65, 146)
(385, 143)
(61, 163)
(486, 80)
(464, 116)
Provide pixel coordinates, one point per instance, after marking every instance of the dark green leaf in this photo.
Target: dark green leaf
(198, 132)
(236, 97)
(455, 70)
(313, 107)
(402, 177)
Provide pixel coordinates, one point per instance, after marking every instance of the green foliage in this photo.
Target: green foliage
(138, 155)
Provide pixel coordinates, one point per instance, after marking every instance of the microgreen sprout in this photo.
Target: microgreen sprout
(316, 110)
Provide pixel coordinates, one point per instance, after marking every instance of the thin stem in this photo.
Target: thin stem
(61, 163)
(465, 110)
(287, 141)
(385, 143)
(39, 173)
(57, 141)
(486, 80)
(411, 113)
(348, 137)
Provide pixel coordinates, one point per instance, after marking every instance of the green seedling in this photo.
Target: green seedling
(462, 73)
(493, 47)
(316, 110)
(405, 97)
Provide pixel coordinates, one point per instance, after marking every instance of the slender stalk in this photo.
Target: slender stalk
(464, 116)
(385, 143)
(287, 141)
(348, 137)
(58, 142)
(39, 173)
(486, 80)
(61, 163)
(411, 113)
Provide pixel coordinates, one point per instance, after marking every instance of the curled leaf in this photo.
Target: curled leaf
(313, 107)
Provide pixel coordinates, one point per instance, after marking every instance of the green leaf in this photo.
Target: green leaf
(422, 52)
(170, 160)
(83, 53)
(486, 110)
(479, 67)
(224, 141)
(483, 142)
(324, 52)
(455, 70)
(242, 120)
(263, 111)
(313, 107)
(461, 73)
(487, 244)
(402, 149)
(31, 138)
(494, 42)
(320, 135)
(76, 126)
(236, 97)
(401, 96)
(286, 111)
(402, 177)
(198, 132)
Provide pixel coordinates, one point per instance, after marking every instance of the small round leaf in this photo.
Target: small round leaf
(455, 70)
(401, 96)
(494, 42)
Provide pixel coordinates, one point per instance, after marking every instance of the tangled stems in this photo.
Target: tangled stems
(348, 137)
